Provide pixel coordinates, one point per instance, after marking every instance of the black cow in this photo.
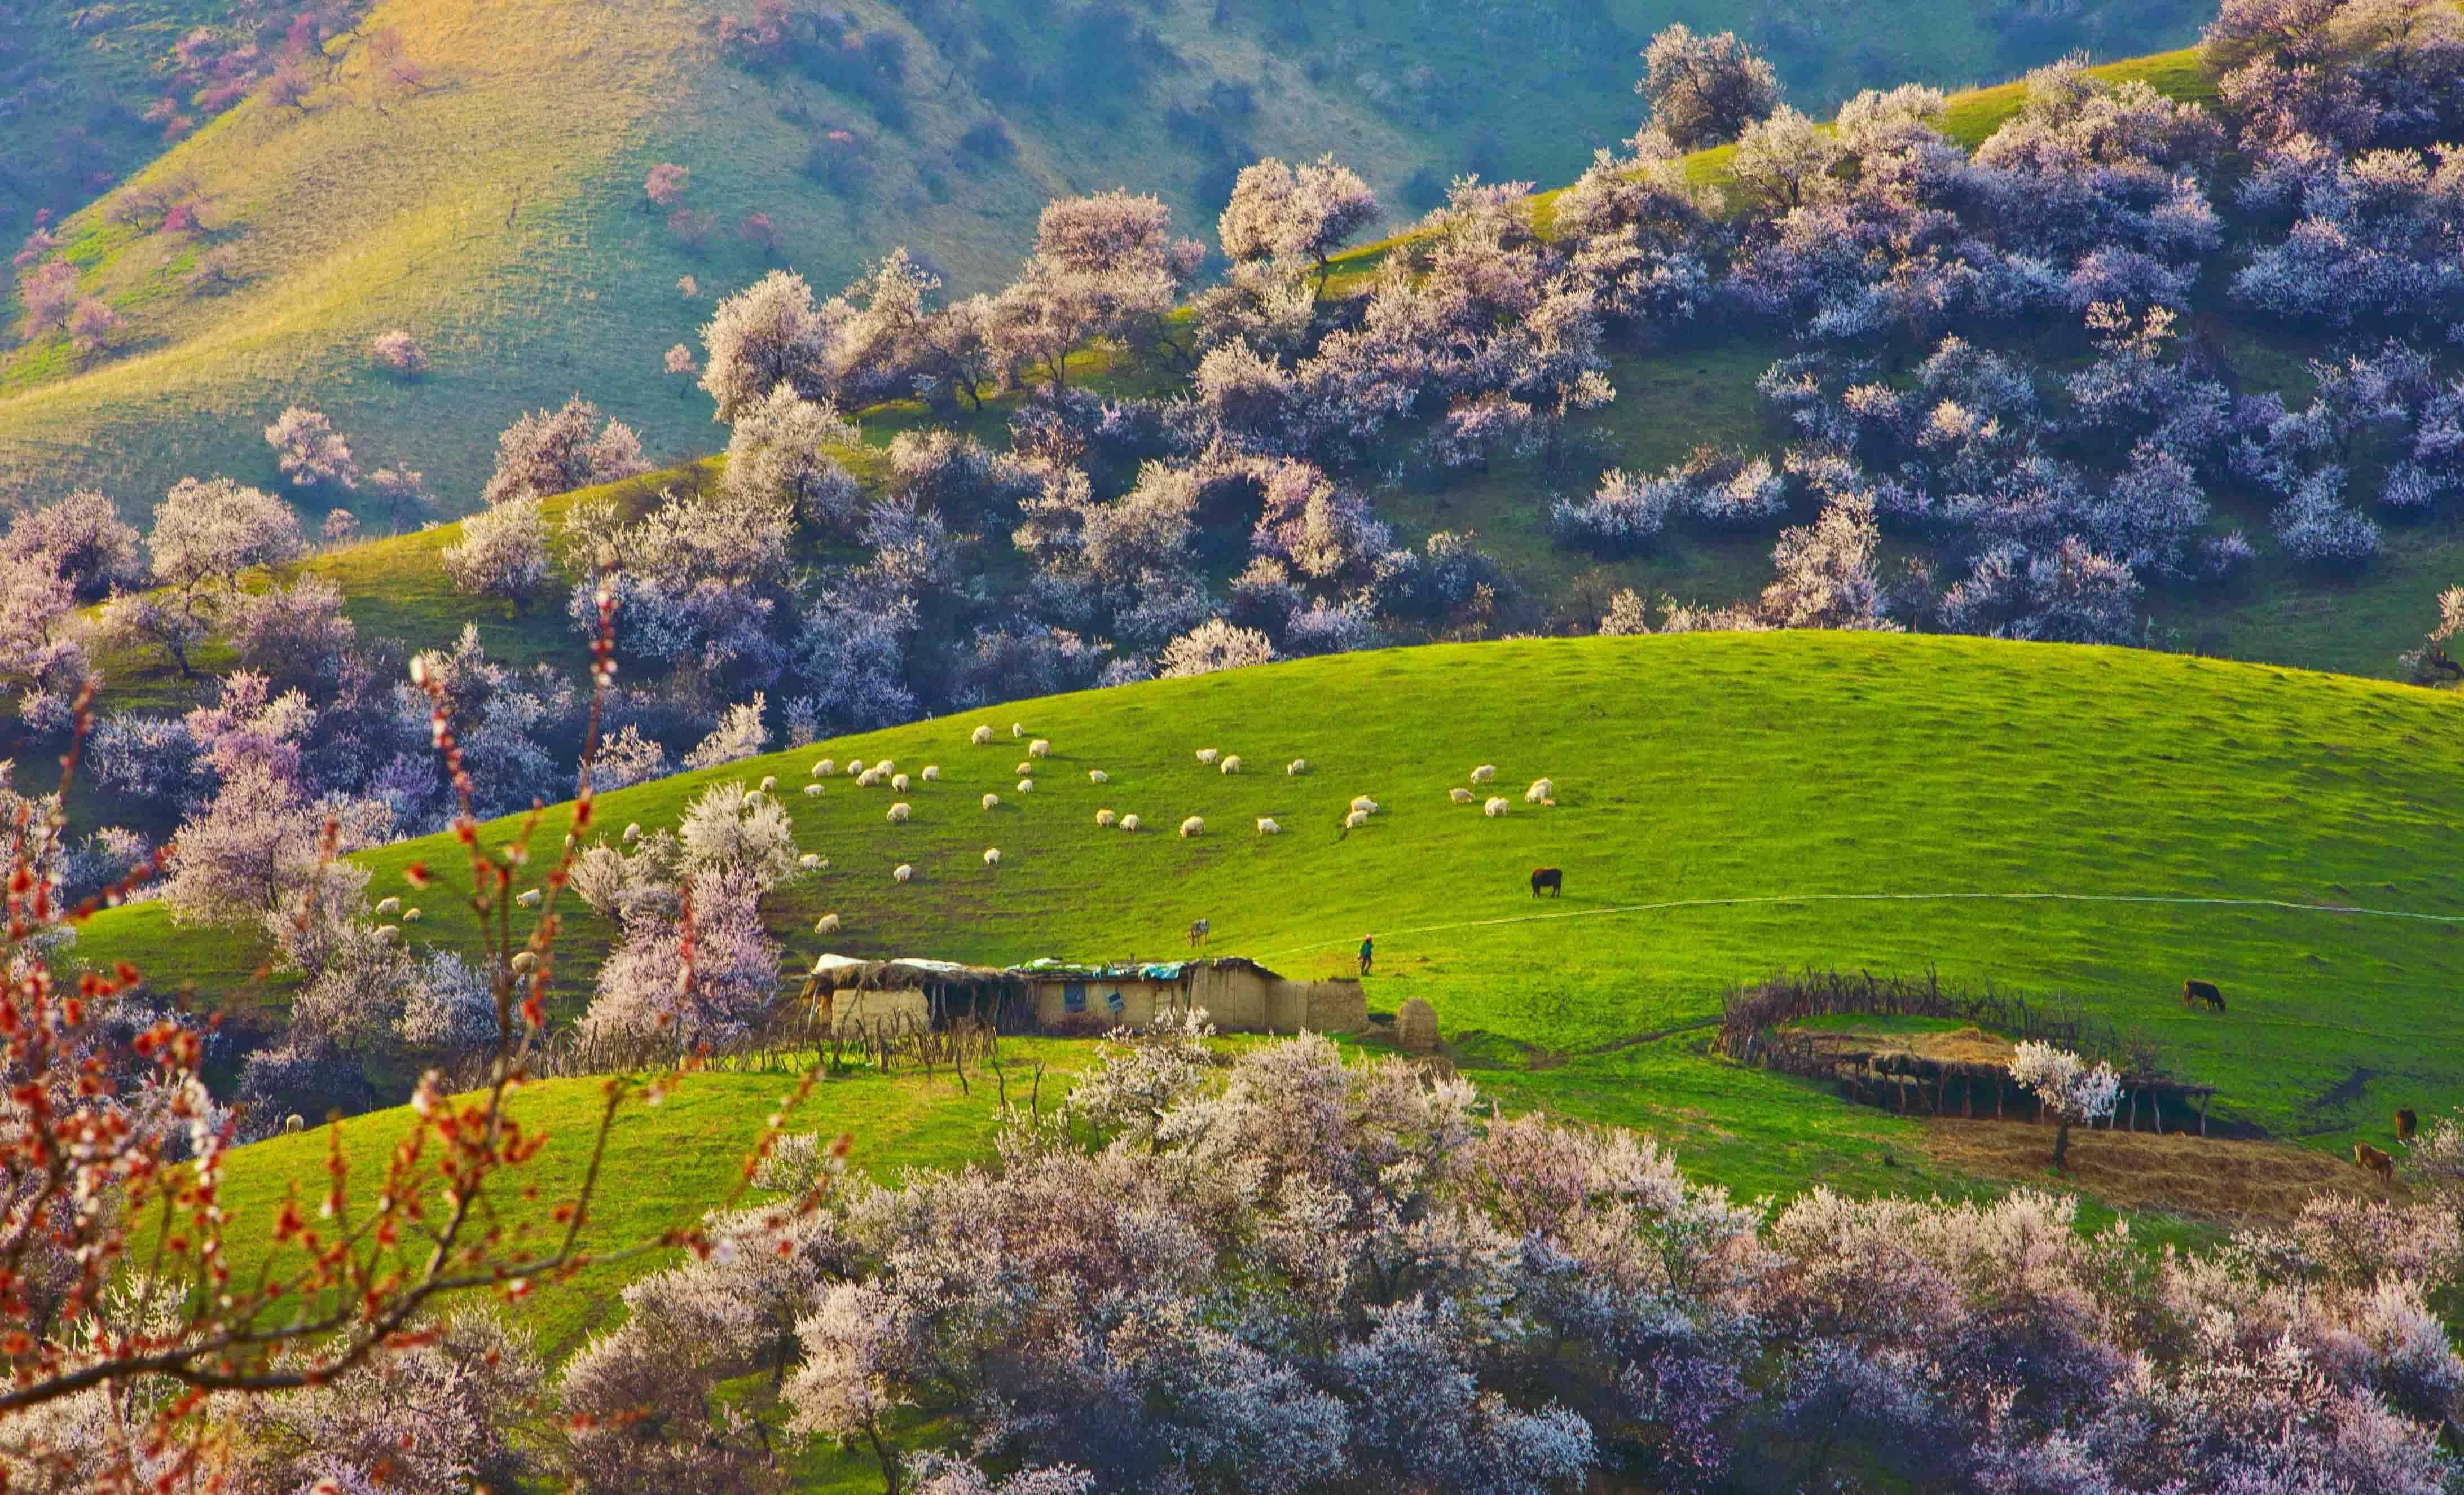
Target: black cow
(2195, 992)
(1551, 878)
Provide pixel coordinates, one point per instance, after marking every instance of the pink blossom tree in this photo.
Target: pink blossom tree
(310, 452)
(400, 353)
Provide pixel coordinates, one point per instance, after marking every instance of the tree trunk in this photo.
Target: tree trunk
(2061, 1145)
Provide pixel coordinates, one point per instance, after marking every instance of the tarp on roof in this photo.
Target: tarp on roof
(841, 971)
(1051, 969)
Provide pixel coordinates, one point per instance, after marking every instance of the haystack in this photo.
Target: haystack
(1415, 1027)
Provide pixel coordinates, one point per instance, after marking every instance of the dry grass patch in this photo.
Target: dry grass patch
(2205, 1177)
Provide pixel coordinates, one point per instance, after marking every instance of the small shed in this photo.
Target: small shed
(1238, 994)
(912, 992)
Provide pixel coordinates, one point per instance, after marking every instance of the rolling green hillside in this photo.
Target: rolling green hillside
(496, 211)
(1727, 806)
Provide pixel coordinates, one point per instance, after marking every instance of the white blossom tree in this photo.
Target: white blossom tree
(2071, 1088)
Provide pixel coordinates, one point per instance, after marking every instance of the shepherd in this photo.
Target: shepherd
(1368, 950)
(1552, 878)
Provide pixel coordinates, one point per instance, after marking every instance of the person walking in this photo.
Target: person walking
(1368, 949)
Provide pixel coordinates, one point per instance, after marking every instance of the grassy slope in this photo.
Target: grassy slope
(1689, 768)
(496, 216)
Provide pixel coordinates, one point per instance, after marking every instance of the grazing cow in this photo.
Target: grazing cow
(2406, 1123)
(2195, 992)
(1552, 878)
(1199, 931)
(2376, 1161)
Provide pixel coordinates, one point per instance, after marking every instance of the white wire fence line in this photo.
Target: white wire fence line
(1744, 900)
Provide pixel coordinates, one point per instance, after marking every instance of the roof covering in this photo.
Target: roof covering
(1047, 968)
(841, 971)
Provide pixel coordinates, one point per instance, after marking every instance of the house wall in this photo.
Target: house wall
(1234, 997)
(899, 1011)
(1141, 1001)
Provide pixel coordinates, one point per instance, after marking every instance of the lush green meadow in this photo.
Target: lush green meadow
(1727, 806)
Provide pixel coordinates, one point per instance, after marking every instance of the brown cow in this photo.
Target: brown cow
(2375, 1161)
(1551, 878)
(2406, 1123)
(2195, 992)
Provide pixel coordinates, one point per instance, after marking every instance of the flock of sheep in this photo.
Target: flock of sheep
(884, 772)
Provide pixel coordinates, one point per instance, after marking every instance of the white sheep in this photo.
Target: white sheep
(827, 924)
(1295, 768)
(810, 861)
(632, 832)
(855, 765)
(1485, 773)
(410, 916)
(1232, 763)
(1098, 776)
(754, 796)
(931, 772)
(1460, 795)
(524, 962)
(812, 791)
(1208, 755)
(902, 872)
(1495, 808)
(992, 802)
(528, 897)
(1364, 804)
(826, 767)
(992, 856)
(900, 782)
(1023, 769)
(884, 767)
(1267, 827)
(1355, 820)
(1026, 786)
(898, 813)
(1105, 819)
(387, 933)
(1541, 792)
(1128, 822)
(388, 908)
(294, 1123)
(1016, 729)
(1041, 747)
(1193, 826)
(982, 737)
(769, 782)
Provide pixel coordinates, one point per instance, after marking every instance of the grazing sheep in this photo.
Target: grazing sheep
(1192, 826)
(931, 772)
(1267, 827)
(1041, 747)
(523, 962)
(410, 916)
(826, 767)
(855, 765)
(1026, 786)
(1023, 769)
(632, 832)
(388, 908)
(1355, 820)
(528, 897)
(884, 767)
(1551, 878)
(992, 856)
(982, 737)
(1200, 930)
(1295, 768)
(1128, 822)
(900, 782)
(754, 796)
(1460, 795)
(1098, 776)
(827, 924)
(1541, 792)
(898, 813)
(2375, 1161)
(292, 1124)
(1208, 755)
(1364, 804)
(1017, 730)
(769, 782)
(387, 933)
(1106, 818)
(1495, 808)
(902, 872)
(812, 791)
(1231, 764)
(992, 802)
(810, 861)
(1485, 773)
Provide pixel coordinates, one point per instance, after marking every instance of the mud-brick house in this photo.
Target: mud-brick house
(1238, 994)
